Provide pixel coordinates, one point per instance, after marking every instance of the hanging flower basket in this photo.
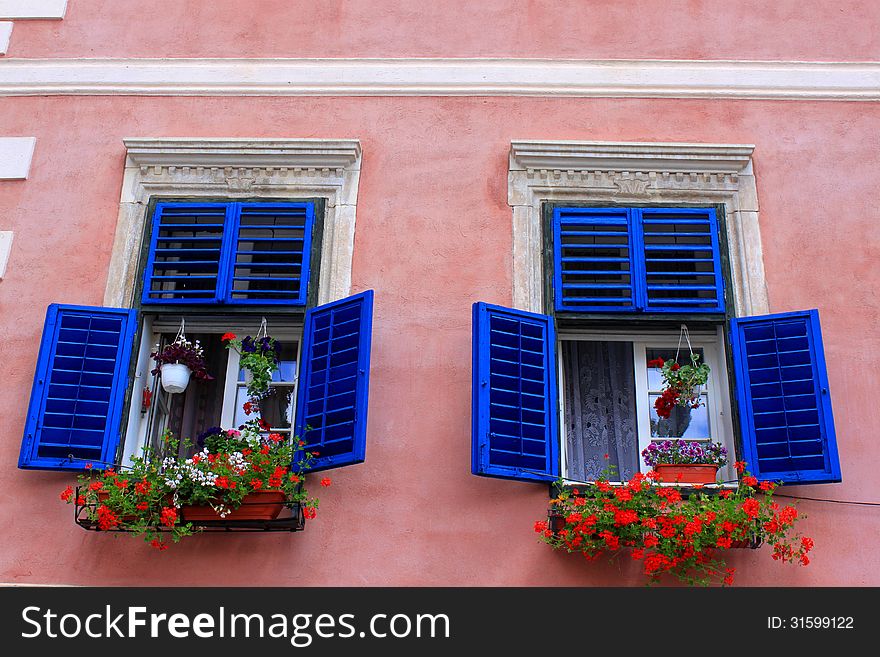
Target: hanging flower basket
(174, 377)
(178, 361)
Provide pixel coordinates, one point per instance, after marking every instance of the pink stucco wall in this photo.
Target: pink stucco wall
(804, 30)
(433, 236)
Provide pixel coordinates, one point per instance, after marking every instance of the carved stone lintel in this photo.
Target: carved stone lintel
(235, 184)
(633, 186)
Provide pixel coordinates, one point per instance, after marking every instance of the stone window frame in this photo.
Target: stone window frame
(238, 168)
(635, 172)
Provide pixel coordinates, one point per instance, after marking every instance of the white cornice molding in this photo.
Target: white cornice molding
(444, 77)
(630, 156)
(626, 173)
(40, 9)
(250, 153)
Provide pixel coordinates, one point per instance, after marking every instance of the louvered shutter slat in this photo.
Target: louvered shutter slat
(79, 388)
(593, 260)
(186, 253)
(271, 254)
(333, 386)
(782, 390)
(682, 264)
(514, 395)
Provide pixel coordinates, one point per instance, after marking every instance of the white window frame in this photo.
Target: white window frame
(718, 391)
(138, 423)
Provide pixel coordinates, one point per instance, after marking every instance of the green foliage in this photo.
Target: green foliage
(670, 534)
(148, 495)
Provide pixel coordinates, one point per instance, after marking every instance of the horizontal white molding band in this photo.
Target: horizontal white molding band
(443, 77)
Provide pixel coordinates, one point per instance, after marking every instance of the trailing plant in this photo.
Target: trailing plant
(681, 384)
(684, 452)
(184, 352)
(146, 497)
(259, 357)
(670, 534)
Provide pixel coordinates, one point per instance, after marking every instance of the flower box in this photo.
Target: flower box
(257, 505)
(687, 473)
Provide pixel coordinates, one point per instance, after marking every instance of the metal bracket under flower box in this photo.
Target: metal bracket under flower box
(291, 519)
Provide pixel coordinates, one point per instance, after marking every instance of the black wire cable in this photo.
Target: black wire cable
(820, 499)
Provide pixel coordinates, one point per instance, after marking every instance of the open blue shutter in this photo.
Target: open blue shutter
(593, 260)
(331, 400)
(187, 255)
(514, 395)
(79, 388)
(271, 251)
(785, 407)
(681, 260)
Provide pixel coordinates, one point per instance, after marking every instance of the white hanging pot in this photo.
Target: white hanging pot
(175, 377)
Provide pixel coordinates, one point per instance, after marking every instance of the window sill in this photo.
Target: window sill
(686, 489)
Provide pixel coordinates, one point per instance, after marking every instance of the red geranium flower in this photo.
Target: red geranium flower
(168, 517)
(325, 482)
(67, 494)
(227, 337)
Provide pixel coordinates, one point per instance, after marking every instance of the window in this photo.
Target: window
(553, 393)
(637, 260)
(233, 253)
(212, 267)
(607, 394)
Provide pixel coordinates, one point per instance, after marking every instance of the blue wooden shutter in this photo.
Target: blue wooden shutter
(234, 253)
(782, 390)
(514, 395)
(331, 399)
(270, 253)
(188, 253)
(637, 260)
(79, 388)
(681, 260)
(593, 260)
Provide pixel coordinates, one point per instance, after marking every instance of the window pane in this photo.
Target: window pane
(682, 422)
(286, 371)
(600, 408)
(276, 407)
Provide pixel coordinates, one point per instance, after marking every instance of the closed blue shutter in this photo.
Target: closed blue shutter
(331, 400)
(271, 253)
(514, 395)
(233, 253)
(637, 260)
(187, 253)
(782, 390)
(79, 388)
(682, 264)
(593, 260)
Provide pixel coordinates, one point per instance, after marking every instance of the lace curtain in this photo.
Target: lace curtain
(600, 408)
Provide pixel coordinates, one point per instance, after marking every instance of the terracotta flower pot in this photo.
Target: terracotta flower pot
(687, 473)
(257, 505)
